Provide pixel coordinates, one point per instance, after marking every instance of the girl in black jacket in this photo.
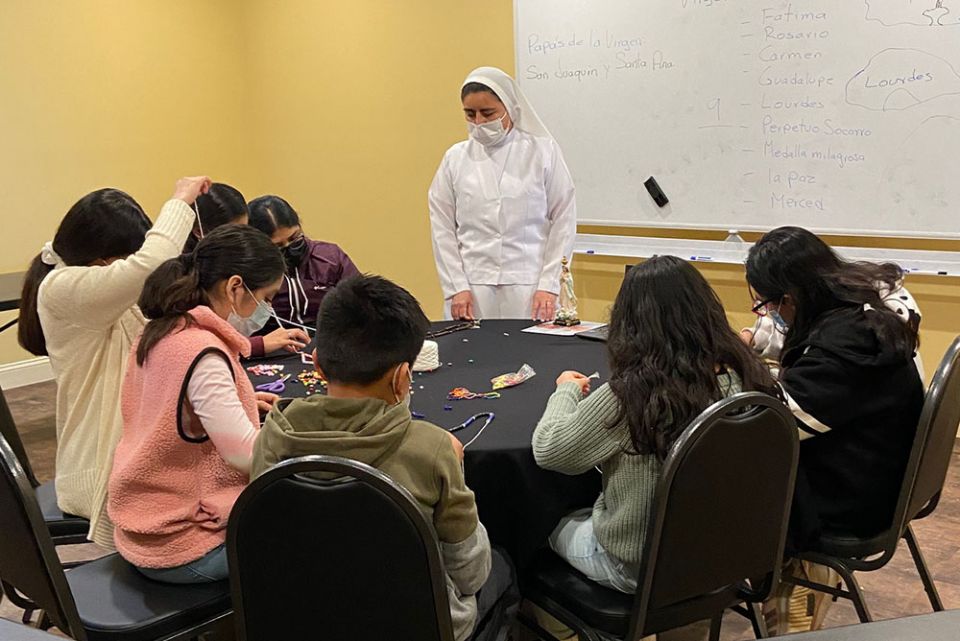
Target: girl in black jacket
(848, 372)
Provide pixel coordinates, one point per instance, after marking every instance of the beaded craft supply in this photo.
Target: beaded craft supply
(265, 370)
(463, 394)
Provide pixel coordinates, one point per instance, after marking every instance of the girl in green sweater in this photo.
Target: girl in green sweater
(672, 354)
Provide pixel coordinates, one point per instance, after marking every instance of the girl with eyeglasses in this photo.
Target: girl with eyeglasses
(849, 336)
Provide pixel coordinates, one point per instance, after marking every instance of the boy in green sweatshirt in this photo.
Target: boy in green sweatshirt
(369, 333)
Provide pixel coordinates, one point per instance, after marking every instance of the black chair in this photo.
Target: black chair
(716, 538)
(342, 548)
(103, 600)
(919, 496)
(65, 529)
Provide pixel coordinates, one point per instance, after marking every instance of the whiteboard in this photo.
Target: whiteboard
(842, 116)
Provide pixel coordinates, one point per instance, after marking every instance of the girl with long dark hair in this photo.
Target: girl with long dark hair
(850, 337)
(672, 354)
(79, 308)
(190, 414)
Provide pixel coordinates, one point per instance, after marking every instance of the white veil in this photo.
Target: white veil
(521, 112)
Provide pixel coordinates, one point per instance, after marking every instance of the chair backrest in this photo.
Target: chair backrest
(28, 561)
(933, 443)
(8, 429)
(721, 507)
(326, 544)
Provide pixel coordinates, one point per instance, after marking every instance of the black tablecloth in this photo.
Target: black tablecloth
(518, 502)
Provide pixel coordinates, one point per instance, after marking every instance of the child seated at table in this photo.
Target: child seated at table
(221, 205)
(189, 411)
(79, 308)
(369, 333)
(672, 354)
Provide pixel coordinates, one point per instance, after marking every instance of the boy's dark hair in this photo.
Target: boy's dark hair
(366, 326)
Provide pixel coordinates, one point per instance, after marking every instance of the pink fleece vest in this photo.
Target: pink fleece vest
(170, 494)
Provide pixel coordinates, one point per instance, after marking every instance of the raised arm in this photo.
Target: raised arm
(101, 294)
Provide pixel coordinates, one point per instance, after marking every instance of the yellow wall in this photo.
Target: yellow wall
(97, 93)
(354, 104)
(344, 108)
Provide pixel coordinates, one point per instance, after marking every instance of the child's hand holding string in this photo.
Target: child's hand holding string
(571, 376)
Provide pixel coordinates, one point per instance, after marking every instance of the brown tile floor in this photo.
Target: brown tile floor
(894, 591)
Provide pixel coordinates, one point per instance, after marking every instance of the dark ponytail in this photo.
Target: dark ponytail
(183, 283)
(220, 206)
(104, 224)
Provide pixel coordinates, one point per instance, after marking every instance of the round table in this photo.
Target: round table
(518, 502)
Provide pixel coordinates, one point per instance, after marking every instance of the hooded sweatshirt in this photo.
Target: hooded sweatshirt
(857, 401)
(415, 454)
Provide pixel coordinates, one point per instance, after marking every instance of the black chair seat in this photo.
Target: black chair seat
(117, 602)
(848, 545)
(60, 524)
(599, 607)
(609, 610)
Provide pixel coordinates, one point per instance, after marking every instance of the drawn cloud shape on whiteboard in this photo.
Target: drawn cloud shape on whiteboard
(918, 183)
(918, 13)
(897, 79)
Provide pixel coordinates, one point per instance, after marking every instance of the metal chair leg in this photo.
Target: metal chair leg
(759, 623)
(715, 624)
(856, 593)
(928, 585)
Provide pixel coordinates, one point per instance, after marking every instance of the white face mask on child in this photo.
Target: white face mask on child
(254, 322)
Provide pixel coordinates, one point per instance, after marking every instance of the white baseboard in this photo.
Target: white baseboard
(34, 370)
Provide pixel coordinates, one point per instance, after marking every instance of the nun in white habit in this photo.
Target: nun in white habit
(502, 207)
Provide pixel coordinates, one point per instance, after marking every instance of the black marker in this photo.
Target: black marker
(655, 192)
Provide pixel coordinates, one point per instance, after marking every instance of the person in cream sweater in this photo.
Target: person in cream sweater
(79, 308)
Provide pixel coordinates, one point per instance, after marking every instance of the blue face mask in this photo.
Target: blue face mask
(254, 322)
(781, 325)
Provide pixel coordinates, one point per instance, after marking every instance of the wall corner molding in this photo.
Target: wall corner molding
(28, 372)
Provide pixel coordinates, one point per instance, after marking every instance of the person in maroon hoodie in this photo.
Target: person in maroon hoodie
(314, 267)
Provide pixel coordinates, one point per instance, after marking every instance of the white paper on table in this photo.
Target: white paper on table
(562, 330)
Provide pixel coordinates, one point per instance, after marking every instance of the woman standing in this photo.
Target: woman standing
(502, 207)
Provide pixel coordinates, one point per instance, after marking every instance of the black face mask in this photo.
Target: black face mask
(294, 252)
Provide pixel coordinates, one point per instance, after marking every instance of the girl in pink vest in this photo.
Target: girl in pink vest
(190, 414)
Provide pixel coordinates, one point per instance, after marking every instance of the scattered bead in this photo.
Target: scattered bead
(448, 408)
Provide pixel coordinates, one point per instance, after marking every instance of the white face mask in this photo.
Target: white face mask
(489, 134)
(254, 322)
(406, 399)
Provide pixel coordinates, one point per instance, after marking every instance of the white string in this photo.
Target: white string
(290, 322)
(477, 435)
(196, 208)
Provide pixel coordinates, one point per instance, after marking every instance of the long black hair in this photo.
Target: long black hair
(668, 340)
(104, 224)
(270, 213)
(221, 205)
(182, 283)
(796, 262)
